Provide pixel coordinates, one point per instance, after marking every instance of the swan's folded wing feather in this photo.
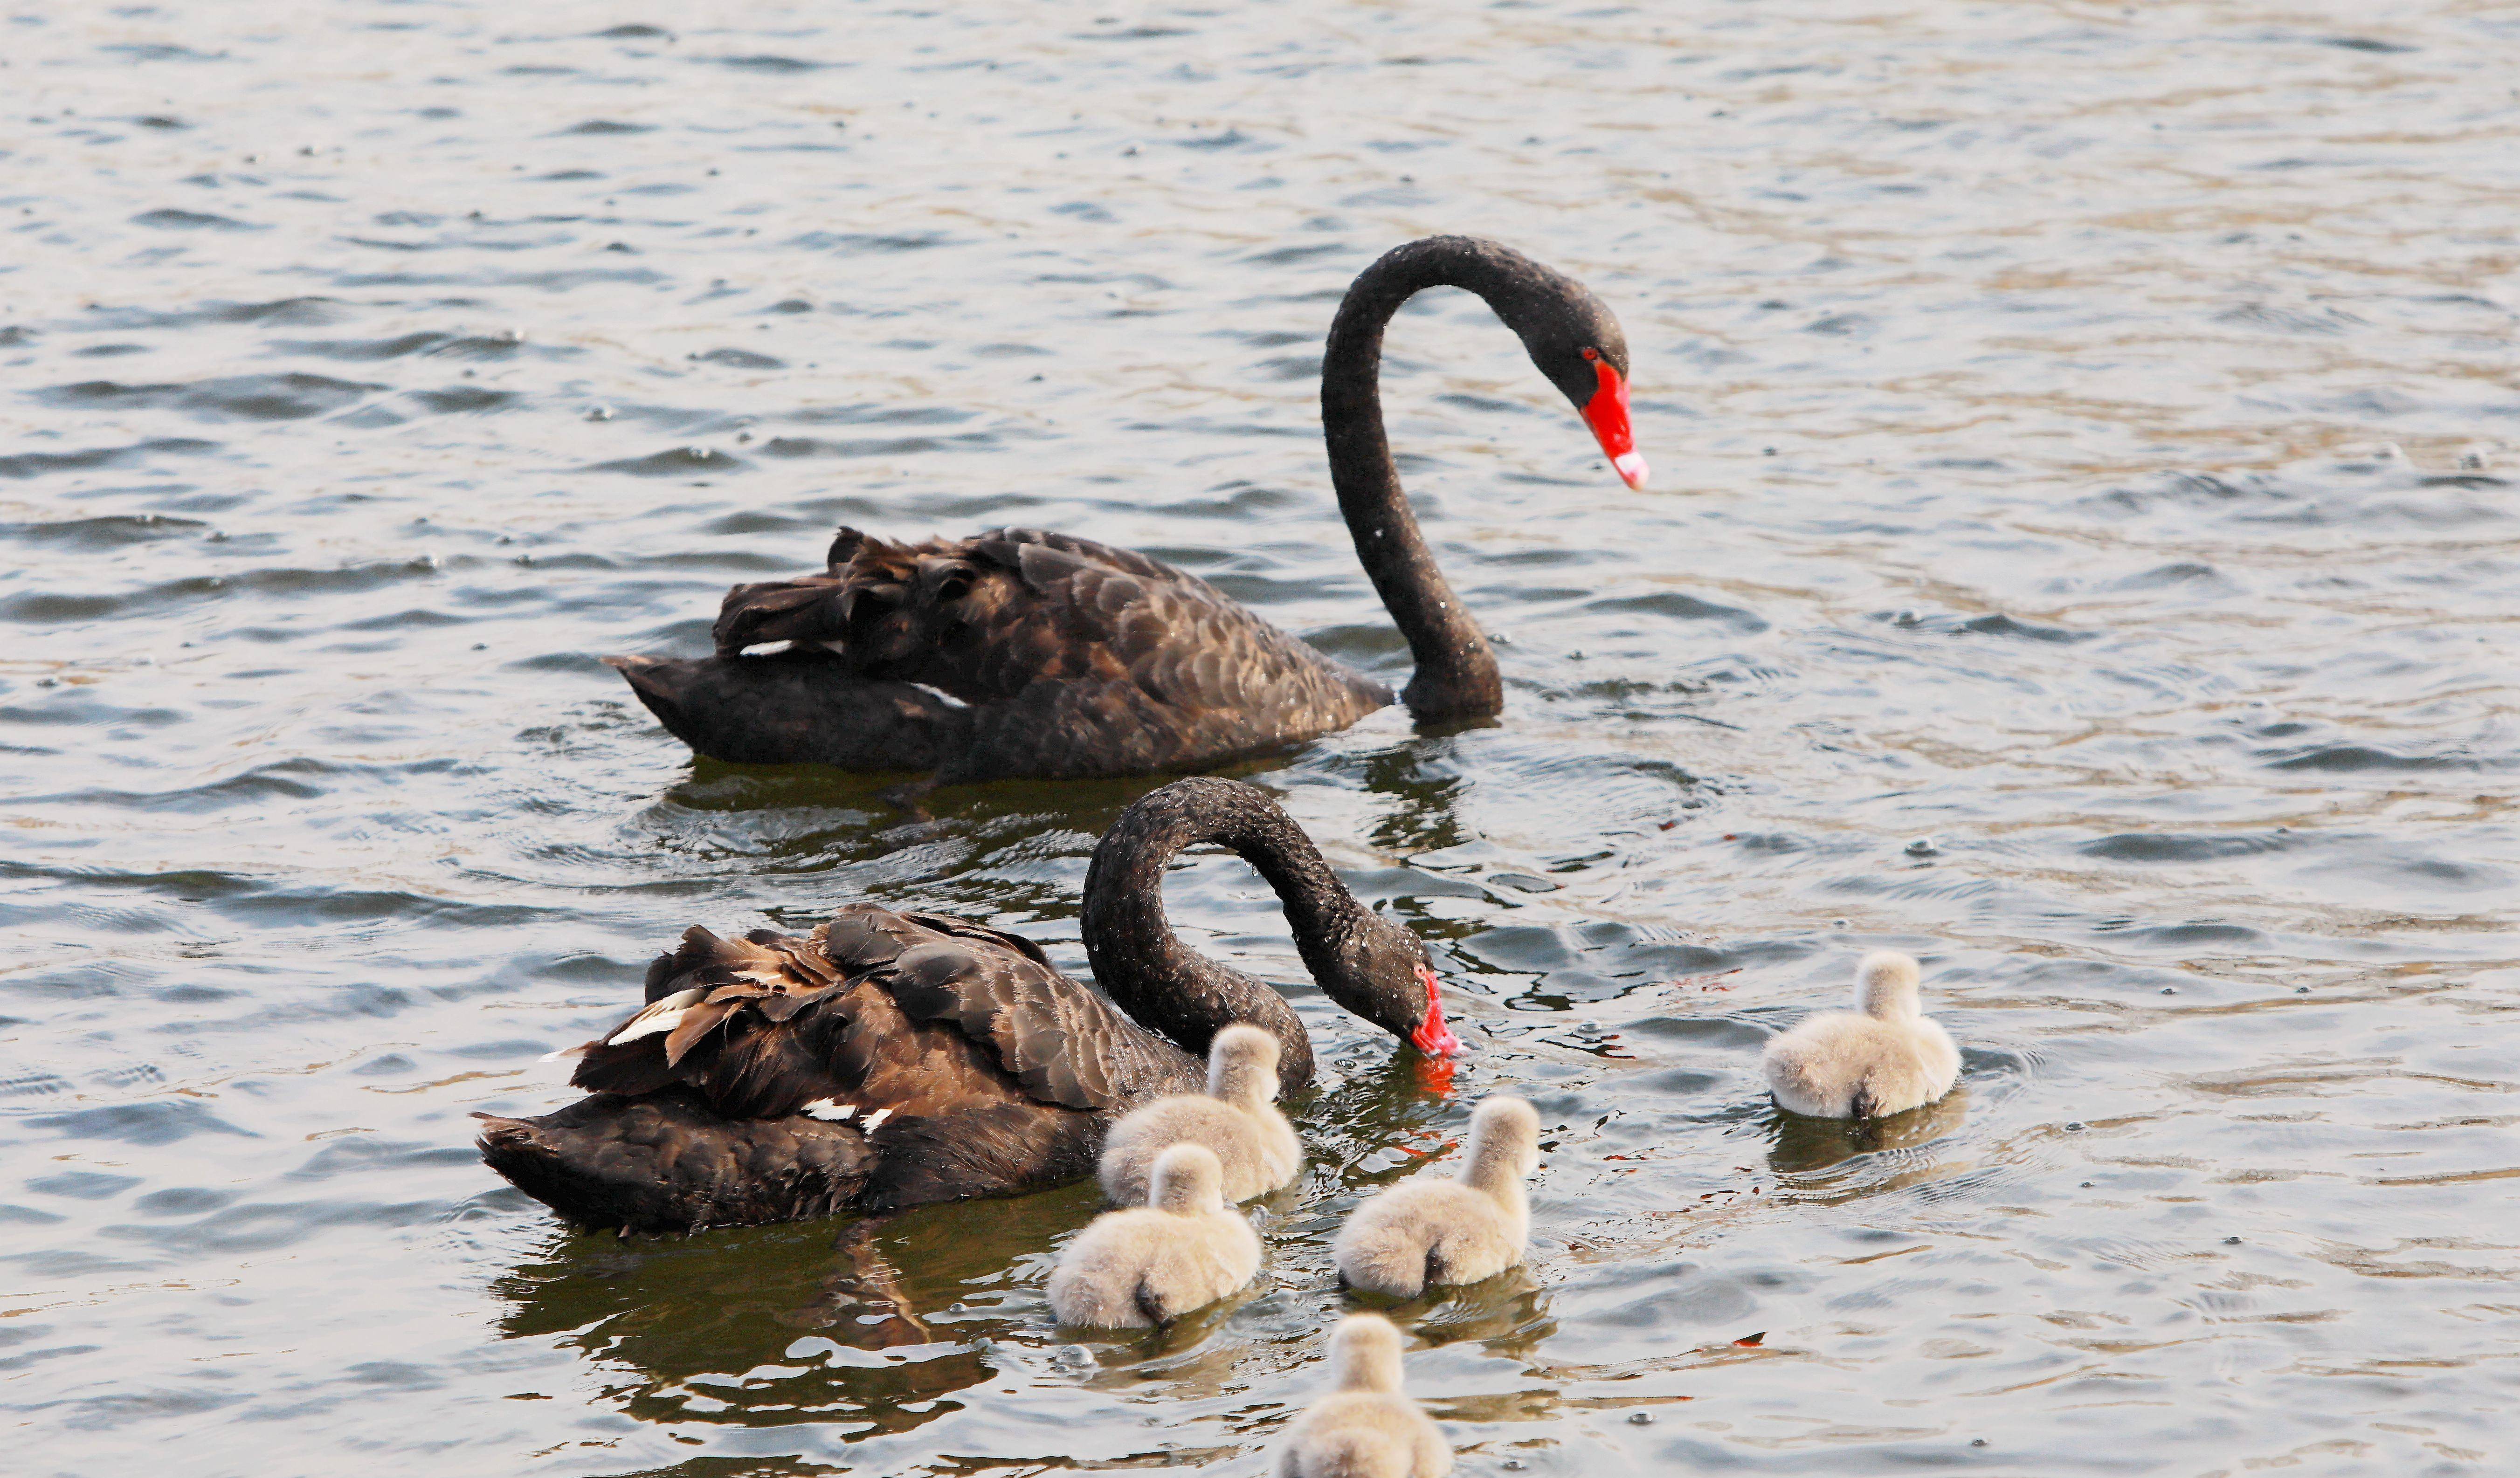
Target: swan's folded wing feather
(777, 1069)
(697, 1022)
(1099, 648)
(1005, 546)
(864, 586)
(1064, 1043)
(811, 608)
(964, 929)
(863, 936)
(777, 974)
(632, 1069)
(660, 979)
(1124, 618)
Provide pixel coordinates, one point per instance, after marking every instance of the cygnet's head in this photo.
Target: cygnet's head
(1365, 1354)
(1886, 985)
(1506, 1132)
(1187, 1181)
(1242, 1065)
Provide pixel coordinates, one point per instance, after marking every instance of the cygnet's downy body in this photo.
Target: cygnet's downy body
(1429, 1230)
(1237, 1120)
(1365, 1428)
(1883, 1058)
(1149, 1264)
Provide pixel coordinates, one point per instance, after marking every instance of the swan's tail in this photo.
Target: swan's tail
(666, 1163)
(1358, 1453)
(802, 708)
(1383, 1249)
(1093, 1297)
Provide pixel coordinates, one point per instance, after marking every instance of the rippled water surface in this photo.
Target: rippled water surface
(2082, 552)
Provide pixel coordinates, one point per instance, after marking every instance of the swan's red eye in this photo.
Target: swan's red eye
(1591, 354)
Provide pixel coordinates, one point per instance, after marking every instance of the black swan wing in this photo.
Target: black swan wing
(1064, 1043)
(1116, 661)
(923, 1013)
(756, 1026)
(1120, 617)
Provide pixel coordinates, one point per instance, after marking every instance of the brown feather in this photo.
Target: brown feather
(697, 1022)
(997, 1071)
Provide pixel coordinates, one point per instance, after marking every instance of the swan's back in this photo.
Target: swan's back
(1072, 657)
(885, 1059)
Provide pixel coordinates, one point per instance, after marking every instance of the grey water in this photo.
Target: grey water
(2082, 552)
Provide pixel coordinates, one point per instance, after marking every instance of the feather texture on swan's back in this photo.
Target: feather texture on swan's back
(1061, 656)
(952, 1053)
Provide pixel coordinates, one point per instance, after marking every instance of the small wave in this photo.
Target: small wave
(2173, 846)
(291, 397)
(2349, 758)
(103, 533)
(775, 66)
(362, 349)
(1996, 624)
(855, 243)
(171, 219)
(679, 462)
(150, 1122)
(741, 359)
(1681, 606)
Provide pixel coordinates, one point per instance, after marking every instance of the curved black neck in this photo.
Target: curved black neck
(1456, 673)
(1173, 988)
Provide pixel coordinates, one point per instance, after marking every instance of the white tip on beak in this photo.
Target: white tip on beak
(1631, 469)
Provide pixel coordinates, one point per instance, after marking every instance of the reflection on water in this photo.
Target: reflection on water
(874, 1326)
(2082, 559)
(1804, 1150)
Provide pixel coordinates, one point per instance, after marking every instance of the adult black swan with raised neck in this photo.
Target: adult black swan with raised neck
(891, 1060)
(1018, 653)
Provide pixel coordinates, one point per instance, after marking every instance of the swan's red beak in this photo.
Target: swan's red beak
(1606, 413)
(1432, 1037)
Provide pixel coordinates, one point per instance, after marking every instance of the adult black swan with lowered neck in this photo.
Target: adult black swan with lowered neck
(1018, 653)
(890, 1060)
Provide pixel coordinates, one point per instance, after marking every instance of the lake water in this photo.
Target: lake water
(2082, 552)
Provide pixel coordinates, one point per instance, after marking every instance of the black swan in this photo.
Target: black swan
(890, 1060)
(1024, 653)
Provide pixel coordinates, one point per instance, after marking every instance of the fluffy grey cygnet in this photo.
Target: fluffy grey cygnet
(1429, 1231)
(1148, 1264)
(1237, 1119)
(1365, 1428)
(1882, 1059)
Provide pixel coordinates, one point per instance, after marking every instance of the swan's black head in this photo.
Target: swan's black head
(1575, 341)
(1381, 972)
